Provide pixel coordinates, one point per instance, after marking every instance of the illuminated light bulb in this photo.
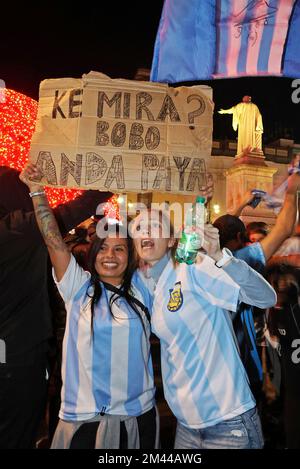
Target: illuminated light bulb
(216, 208)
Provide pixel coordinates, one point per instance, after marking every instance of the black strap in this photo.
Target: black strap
(121, 293)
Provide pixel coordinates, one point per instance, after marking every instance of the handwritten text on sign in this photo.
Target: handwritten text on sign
(122, 135)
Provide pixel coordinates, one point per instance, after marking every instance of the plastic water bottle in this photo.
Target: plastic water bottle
(190, 241)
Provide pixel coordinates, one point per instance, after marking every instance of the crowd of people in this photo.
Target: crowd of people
(85, 322)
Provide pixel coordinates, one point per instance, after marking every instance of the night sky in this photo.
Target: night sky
(54, 40)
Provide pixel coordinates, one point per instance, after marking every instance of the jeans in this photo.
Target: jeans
(242, 432)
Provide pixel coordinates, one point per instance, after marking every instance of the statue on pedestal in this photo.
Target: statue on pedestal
(247, 119)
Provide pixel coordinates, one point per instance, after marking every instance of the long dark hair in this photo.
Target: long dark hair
(275, 272)
(94, 290)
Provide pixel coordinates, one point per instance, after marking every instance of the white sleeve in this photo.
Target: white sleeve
(74, 278)
(215, 284)
(255, 290)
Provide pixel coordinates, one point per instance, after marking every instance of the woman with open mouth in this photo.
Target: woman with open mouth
(204, 380)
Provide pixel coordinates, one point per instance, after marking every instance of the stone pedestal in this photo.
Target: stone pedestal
(255, 157)
(249, 171)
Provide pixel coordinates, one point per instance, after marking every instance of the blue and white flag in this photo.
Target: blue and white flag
(205, 39)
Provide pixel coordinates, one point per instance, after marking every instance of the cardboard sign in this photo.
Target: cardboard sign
(122, 135)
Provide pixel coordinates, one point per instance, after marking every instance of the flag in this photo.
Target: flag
(205, 39)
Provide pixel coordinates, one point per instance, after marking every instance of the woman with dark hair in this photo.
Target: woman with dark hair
(108, 389)
(284, 324)
(26, 313)
(256, 231)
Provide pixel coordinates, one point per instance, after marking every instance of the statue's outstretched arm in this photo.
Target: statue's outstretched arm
(227, 111)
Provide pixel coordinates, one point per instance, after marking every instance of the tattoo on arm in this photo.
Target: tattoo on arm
(48, 227)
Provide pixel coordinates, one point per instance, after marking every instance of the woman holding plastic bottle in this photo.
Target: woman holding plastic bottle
(205, 383)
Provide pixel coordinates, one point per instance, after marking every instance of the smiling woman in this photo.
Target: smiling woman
(112, 259)
(108, 390)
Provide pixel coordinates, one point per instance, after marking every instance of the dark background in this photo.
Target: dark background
(52, 40)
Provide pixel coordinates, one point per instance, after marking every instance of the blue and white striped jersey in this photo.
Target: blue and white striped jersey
(204, 379)
(111, 372)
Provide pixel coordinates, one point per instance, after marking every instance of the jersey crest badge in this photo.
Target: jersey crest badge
(176, 298)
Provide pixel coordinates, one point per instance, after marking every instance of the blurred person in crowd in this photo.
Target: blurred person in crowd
(284, 325)
(233, 236)
(256, 231)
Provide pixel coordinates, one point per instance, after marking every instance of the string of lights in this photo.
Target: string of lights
(18, 115)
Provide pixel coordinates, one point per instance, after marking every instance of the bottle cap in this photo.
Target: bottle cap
(200, 199)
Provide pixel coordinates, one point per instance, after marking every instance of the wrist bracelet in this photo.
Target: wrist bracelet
(33, 194)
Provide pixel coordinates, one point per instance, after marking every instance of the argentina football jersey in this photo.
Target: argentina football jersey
(109, 372)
